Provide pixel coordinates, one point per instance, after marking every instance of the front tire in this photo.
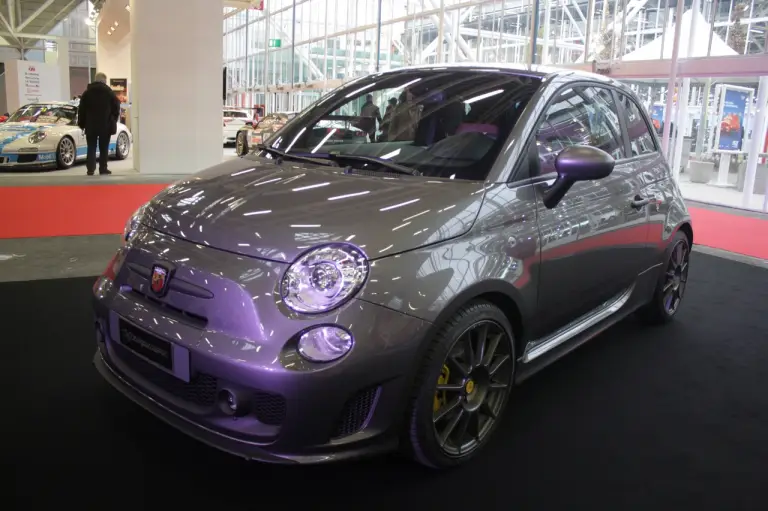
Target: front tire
(66, 153)
(122, 146)
(670, 288)
(462, 389)
(241, 144)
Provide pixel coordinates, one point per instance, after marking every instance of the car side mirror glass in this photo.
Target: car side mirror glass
(577, 163)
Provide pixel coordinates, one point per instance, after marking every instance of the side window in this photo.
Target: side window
(579, 116)
(640, 139)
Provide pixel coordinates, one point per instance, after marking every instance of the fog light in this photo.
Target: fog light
(230, 403)
(324, 344)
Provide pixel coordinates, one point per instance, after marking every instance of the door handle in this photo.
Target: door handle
(639, 202)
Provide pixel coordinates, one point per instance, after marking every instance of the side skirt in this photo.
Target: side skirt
(540, 353)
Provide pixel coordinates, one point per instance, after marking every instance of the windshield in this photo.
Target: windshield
(439, 123)
(45, 114)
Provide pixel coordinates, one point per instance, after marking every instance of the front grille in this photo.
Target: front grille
(171, 311)
(26, 158)
(201, 389)
(269, 408)
(356, 412)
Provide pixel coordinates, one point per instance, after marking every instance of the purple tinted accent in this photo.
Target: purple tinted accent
(488, 129)
(436, 97)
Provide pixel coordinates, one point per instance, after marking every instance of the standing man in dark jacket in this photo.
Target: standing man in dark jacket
(369, 114)
(98, 114)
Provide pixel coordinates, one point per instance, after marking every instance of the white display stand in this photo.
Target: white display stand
(28, 82)
(723, 169)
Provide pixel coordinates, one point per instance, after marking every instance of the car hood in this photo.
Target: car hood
(257, 208)
(11, 132)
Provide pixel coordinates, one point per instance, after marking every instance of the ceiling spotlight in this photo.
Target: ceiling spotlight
(127, 7)
(116, 23)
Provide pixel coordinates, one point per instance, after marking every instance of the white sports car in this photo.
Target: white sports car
(233, 121)
(47, 135)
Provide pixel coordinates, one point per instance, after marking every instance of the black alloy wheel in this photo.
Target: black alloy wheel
(671, 285)
(676, 277)
(464, 389)
(471, 390)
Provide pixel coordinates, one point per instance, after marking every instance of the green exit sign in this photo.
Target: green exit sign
(275, 43)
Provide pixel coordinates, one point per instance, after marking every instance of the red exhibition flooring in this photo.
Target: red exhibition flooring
(42, 211)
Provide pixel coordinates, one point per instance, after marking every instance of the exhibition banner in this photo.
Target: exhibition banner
(732, 114)
(37, 81)
(657, 117)
(30, 82)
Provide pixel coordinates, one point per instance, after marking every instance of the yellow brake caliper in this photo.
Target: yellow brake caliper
(440, 394)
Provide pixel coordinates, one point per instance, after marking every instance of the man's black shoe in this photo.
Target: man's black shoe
(105, 173)
(89, 173)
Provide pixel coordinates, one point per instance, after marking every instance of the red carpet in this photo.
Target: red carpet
(40, 211)
(734, 233)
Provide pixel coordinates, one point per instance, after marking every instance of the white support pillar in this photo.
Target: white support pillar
(682, 99)
(681, 124)
(672, 79)
(756, 143)
(176, 85)
(62, 60)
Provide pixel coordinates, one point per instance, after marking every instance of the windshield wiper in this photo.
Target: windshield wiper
(401, 169)
(283, 155)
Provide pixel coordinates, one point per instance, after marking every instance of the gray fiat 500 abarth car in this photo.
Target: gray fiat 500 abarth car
(326, 297)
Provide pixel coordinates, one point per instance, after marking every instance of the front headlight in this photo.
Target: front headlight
(133, 223)
(37, 137)
(324, 278)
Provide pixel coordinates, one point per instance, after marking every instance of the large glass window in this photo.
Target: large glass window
(579, 116)
(432, 122)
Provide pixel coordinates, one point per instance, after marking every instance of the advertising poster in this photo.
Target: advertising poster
(732, 116)
(657, 117)
(120, 86)
(31, 82)
(31, 92)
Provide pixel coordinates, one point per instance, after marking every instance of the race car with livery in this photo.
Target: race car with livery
(249, 137)
(336, 129)
(47, 135)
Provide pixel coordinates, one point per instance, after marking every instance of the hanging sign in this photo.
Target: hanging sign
(734, 105)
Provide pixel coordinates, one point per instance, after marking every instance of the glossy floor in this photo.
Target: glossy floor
(670, 418)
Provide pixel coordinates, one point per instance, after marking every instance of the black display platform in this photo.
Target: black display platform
(673, 418)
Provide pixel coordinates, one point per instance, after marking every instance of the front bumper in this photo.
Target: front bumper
(28, 160)
(298, 413)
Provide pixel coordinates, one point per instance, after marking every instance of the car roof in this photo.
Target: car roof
(536, 71)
